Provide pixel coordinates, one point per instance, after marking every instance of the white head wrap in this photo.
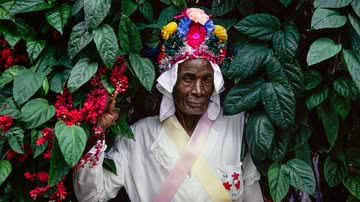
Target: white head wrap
(167, 81)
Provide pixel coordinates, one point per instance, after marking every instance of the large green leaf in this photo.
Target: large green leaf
(46, 61)
(59, 16)
(9, 74)
(5, 170)
(312, 79)
(144, 70)
(301, 175)
(276, 73)
(317, 97)
(147, 10)
(243, 97)
(322, 49)
(166, 15)
(302, 134)
(352, 60)
(36, 112)
(34, 48)
(106, 43)
(331, 3)
(81, 73)
(296, 78)
(58, 166)
(77, 7)
(24, 6)
(8, 107)
(335, 169)
(279, 104)
(247, 60)
(304, 153)
(129, 36)
(128, 7)
(352, 183)
(356, 7)
(326, 18)
(285, 42)
(278, 182)
(330, 122)
(279, 146)
(355, 22)
(12, 39)
(259, 135)
(26, 84)
(95, 12)
(16, 139)
(79, 39)
(72, 141)
(220, 8)
(342, 105)
(260, 26)
(346, 87)
(37, 149)
(57, 82)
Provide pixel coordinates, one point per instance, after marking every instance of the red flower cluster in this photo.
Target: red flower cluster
(94, 104)
(65, 110)
(41, 176)
(35, 193)
(5, 123)
(117, 77)
(19, 157)
(60, 193)
(9, 57)
(196, 35)
(47, 134)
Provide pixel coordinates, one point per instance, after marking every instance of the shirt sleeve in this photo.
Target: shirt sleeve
(94, 183)
(252, 190)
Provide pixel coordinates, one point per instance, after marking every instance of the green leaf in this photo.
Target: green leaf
(110, 165)
(355, 22)
(129, 36)
(106, 44)
(16, 139)
(278, 182)
(122, 128)
(279, 104)
(342, 105)
(24, 6)
(352, 183)
(286, 3)
(72, 141)
(46, 61)
(260, 26)
(147, 10)
(95, 12)
(128, 7)
(5, 170)
(279, 146)
(356, 7)
(330, 121)
(322, 49)
(36, 112)
(8, 107)
(57, 82)
(34, 48)
(81, 73)
(243, 97)
(11, 39)
(317, 97)
(326, 18)
(144, 70)
(247, 61)
(259, 135)
(166, 15)
(296, 78)
(79, 39)
(37, 149)
(179, 3)
(220, 8)
(346, 87)
(26, 84)
(352, 60)
(45, 85)
(77, 7)
(352, 198)
(107, 84)
(312, 79)
(335, 169)
(302, 134)
(301, 176)
(304, 153)
(275, 73)
(58, 17)
(9, 74)
(285, 43)
(331, 3)
(58, 166)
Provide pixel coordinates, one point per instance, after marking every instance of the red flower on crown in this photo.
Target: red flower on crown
(196, 35)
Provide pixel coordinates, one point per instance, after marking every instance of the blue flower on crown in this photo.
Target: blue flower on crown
(209, 26)
(183, 26)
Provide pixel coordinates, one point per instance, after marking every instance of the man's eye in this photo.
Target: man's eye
(187, 79)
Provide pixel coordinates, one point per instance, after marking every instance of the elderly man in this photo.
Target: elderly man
(191, 151)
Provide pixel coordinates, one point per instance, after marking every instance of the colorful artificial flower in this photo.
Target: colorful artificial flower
(168, 30)
(197, 15)
(184, 26)
(196, 35)
(209, 26)
(220, 32)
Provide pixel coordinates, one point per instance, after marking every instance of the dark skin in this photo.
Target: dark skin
(192, 91)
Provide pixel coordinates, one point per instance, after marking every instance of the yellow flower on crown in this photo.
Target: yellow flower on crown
(220, 32)
(168, 30)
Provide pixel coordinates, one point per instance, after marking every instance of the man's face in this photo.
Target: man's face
(194, 86)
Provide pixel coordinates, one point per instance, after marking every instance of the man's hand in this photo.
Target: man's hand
(111, 113)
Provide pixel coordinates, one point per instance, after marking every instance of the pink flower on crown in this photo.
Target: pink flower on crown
(197, 15)
(196, 35)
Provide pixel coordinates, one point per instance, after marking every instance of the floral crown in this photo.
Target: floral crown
(194, 35)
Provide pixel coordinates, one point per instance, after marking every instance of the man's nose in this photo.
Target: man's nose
(198, 89)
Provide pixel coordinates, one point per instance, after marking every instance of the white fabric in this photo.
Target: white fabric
(167, 81)
(142, 165)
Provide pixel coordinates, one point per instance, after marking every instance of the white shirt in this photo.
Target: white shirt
(142, 165)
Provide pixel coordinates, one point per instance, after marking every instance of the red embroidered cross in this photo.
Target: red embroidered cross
(235, 176)
(227, 185)
(237, 185)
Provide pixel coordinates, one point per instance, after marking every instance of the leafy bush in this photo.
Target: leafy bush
(293, 65)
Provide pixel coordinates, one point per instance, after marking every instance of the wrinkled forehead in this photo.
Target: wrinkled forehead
(195, 66)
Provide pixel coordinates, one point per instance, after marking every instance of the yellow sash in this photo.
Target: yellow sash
(201, 169)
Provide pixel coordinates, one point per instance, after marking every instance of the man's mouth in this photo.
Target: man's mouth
(196, 104)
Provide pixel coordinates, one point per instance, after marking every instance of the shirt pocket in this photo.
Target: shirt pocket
(231, 176)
